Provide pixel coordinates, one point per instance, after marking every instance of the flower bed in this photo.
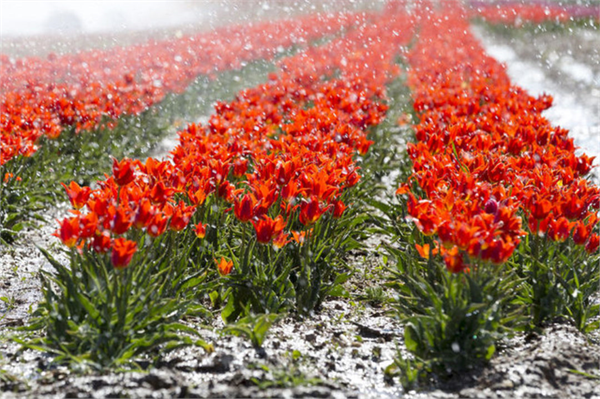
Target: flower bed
(534, 13)
(485, 156)
(254, 213)
(484, 160)
(251, 210)
(92, 88)
(123, 114)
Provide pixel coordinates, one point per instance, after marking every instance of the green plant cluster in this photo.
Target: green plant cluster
(96, 316)
(453, 323)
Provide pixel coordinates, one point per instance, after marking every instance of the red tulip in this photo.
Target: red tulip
(78, 196)
(181, 216)
(69, 231)
(594, 242)
(244, 208)
(122, 252)
(124, 171)
(224, 266)
(157, 225)
(267, 228)
(101, 243)
(200, 230)
(311, 211)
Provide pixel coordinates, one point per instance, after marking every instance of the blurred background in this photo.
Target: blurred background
(35, 27)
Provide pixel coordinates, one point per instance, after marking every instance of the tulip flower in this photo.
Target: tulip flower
(224, 266)
(122, 252)
(281, 240)
(101, 243)
(592, 245)
(69, 231)
(338, 209)
(123, 171)
(244, 208)
(78, 196)
(181, 216)
(311, 211)
(200, 230)
(267, 228)
(157, 225)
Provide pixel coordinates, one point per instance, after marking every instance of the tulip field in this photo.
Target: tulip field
(357, 203)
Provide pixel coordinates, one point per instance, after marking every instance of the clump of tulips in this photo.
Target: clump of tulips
(77, 109)
(501, 201)
(251, 210)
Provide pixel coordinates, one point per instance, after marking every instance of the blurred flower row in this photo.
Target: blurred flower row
(90, 89)
(513, 13)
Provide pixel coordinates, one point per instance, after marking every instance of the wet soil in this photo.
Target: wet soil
(20, 287)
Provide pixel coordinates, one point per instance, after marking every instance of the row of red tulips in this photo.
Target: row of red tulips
(261, 190)
(514, 13)
(89, 90)
(280, 149)
(486, 157)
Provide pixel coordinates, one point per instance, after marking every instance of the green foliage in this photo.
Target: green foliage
(20, 200)
(375, 296)
(451, 321)
(9, 303)
(561, 280)
(288, 375)
(297, 277)
(97, 316)
(253, 327)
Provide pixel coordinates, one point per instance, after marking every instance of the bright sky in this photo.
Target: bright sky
(27, 17)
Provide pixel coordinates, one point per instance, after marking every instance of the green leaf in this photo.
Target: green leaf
(214, 298)
(341, 278)
(338, 291)
(411, 338)
(490, 352)
(382, 206)
(230, 311)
